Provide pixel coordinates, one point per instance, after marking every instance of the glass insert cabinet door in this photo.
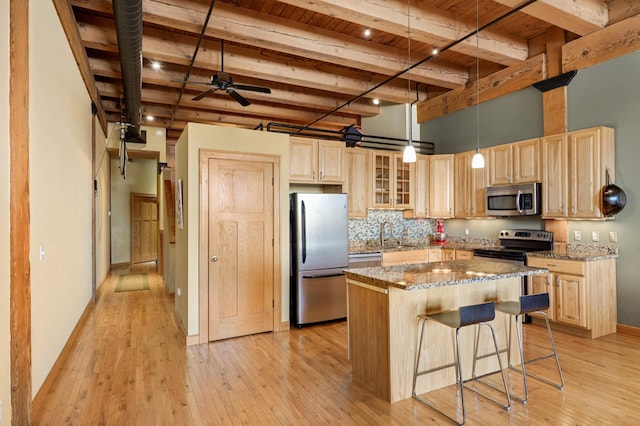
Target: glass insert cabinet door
(392, 181)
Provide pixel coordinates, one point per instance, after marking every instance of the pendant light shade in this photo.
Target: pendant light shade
(477, 162)
(409, 155)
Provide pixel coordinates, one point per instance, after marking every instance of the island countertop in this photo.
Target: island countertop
(418, 276)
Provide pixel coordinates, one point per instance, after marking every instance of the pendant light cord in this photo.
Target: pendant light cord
(478, 74)
(409, 72)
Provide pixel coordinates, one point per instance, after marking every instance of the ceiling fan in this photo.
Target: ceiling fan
(223, 81)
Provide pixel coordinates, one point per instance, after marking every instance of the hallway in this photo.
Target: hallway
(128, 365)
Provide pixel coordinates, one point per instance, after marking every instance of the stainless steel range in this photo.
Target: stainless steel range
(515, 243)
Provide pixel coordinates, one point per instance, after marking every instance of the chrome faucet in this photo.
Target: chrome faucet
(382, 225)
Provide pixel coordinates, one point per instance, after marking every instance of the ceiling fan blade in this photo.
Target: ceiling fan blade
(203, 94)
(252, 88)
(238, 97)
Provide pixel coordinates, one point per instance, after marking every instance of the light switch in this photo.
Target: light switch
(577, 235)
(613, 237)
(595, 236)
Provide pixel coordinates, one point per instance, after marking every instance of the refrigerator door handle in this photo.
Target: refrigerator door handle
(323, 276)
(304, 232)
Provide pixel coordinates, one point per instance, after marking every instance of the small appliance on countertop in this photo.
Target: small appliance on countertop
(440, 237)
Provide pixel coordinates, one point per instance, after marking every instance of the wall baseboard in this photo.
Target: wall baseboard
(628, 329)
(62, 357)
(120, 265)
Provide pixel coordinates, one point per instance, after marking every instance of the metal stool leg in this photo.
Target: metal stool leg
(477, 378)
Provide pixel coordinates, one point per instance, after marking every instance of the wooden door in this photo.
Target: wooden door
(571, 300)
(555, 188)
(526, 167)
(303, 160)
(331, 156)
(477, 186)
(461, 167)
(240, 202)
(500, 159)
(357, 183)
(584, 164)
(144, 228)
(421, 204)
(441, 185)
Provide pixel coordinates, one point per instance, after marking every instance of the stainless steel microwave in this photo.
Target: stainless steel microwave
(513, 200)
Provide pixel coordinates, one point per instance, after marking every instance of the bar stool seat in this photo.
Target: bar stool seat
(532, 303)
(481, 315)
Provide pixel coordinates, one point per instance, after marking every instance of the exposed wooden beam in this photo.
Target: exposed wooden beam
(226, 105)
(70, 27)
(609, 43)
(578, 16)
(493, 86)
(303, 98)
(268, 32)
(241, 61)
(19, 219)
(428, 25)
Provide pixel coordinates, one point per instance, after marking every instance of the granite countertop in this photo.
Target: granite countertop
(582, 252)
(437, 274)
(371, 248)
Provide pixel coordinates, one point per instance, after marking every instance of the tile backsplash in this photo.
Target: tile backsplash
(367, 229)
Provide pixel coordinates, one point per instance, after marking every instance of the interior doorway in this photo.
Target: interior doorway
(239, 222)
(144, 228)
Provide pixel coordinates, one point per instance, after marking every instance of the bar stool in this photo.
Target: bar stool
(533, 303)
(479, 314)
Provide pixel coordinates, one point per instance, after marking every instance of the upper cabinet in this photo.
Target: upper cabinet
(441, 181)
(358, 181)
(515, 162)
(393, 180)
(574, 172)
(421, 201)
(470, 184)
(316, 161)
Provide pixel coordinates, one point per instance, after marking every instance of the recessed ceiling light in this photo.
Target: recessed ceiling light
(376, 101)
(150, 118)
(155, 65)
(434, 52)
(367, 32)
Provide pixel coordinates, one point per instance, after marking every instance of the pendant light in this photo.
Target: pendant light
(409, 155)
(477, 162)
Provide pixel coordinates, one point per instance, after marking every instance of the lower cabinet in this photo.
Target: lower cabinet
(582, 294)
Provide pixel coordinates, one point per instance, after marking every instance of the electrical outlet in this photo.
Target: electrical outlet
(179, 291)
(577, 235)
(466, 231)
(595, 236)
(613, 237)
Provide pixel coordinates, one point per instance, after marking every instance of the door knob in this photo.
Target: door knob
(214, 258)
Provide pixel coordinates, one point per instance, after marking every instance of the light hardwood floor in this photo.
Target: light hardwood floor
(128, 365)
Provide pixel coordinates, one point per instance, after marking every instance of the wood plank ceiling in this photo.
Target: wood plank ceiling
(315, 56)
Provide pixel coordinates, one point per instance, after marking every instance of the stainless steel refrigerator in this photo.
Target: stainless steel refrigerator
(319, 254)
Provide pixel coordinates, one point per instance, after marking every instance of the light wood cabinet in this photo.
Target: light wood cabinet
(316, 161)
(393, 180)
(358, 181)
(515, 162)
(441, 181)
(574, 172)
(464, 255)
(470, 184)
(448, 254)
(582, 294)
(404, 256)
(555, 182)
(421, 199)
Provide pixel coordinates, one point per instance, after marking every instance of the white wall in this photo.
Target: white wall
(103, 223)
(5, 361)
(60, 190)
(195, 137)
(142, 179)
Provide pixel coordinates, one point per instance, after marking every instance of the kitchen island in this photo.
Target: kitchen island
(383, 307)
